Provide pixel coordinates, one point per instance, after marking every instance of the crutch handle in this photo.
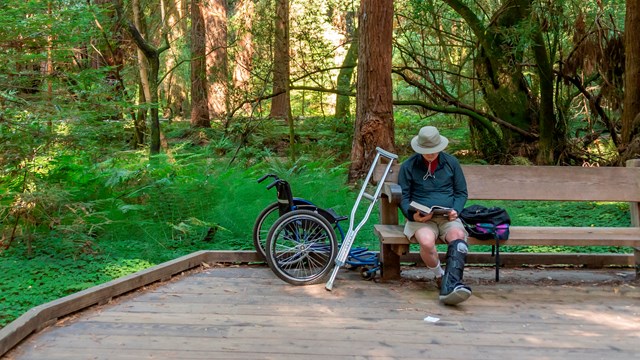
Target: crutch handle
(386, 154)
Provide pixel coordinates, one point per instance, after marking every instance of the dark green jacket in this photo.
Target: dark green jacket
(446, 187)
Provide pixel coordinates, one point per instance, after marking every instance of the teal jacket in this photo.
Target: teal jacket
(446, 187)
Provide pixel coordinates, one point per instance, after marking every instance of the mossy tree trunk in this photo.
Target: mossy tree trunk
(503, 83)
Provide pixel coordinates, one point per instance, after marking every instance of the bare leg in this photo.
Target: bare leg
(454, 234)
(427, 240)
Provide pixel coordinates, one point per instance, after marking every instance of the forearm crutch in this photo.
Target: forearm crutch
(351, 234)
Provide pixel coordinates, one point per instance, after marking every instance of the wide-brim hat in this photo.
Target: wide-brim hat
(429, 141)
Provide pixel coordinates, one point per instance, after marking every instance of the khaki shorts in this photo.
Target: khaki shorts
(439, 225)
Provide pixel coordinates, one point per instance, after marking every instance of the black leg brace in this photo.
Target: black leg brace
(453, 291)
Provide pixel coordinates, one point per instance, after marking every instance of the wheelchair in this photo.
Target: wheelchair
(304, 238)
(298, 239)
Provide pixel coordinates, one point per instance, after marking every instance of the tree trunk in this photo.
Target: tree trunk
(154, 68)
(152, 55)
(215, 16)
(140, 120)
(199, 94)
(244, 14)
(175, 87)
(143, 65)
(374, 109)
(631, 109)
(502, 79)
(551, 131)
(343, 102)
(280, 104)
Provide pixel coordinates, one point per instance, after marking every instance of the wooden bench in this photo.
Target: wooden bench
(544, 183)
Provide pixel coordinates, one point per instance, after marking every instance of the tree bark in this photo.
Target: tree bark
(244, 14)
(631, 105)
(215, 16)
(374, 109)
(199, 87)
(343, 103)
(551, 131)
(143, 65)
(175, 87)
(281, 104)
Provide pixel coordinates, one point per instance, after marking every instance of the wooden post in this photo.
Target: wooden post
(389, 258)
(634, 209)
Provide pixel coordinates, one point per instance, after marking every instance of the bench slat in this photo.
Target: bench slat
(547, 236)
(559, 183)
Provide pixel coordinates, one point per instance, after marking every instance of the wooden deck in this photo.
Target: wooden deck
(246, 312)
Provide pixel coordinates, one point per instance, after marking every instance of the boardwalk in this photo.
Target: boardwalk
(247, 313)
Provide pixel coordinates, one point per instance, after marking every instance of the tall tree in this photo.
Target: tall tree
(631, 109)
(199, 86)
(500, 71)
(280, 104)
(374, 103)
(152, 55)
(176, 85)
(215, 16)
(241, 79)
(343, 102)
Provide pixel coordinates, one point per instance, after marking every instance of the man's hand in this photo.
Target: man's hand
(421, 217)
(453, 215)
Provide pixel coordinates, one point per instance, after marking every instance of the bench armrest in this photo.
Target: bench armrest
(393, 192)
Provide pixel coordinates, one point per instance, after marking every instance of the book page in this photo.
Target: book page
(438, 210)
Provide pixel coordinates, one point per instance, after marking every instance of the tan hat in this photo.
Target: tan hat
(429, 141)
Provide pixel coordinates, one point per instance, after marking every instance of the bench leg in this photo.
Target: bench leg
(636, 253)
(390, 263)
(497, 260)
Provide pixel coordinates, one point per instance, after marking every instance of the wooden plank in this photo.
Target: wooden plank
(247, 313)
(431, 346)
(560, 183)
(508, 259)
(334, 343)
(534, 235)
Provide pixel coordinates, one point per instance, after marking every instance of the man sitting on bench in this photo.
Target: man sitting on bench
(434, 178)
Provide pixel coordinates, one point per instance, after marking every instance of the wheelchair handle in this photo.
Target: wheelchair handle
(266, 176)
(273, 184)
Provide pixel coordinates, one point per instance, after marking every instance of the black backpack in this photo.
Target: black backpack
(485, 223)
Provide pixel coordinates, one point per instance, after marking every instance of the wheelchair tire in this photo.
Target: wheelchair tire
(266, 219)
(301, 248)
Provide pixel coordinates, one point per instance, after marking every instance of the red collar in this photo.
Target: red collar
(431, 166)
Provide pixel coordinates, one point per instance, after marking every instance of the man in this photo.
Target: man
(432, 177)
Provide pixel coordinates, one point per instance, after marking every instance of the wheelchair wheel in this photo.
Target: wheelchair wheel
(266, 219)
(301, 247)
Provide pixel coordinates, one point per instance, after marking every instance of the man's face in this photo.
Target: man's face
(430, 157)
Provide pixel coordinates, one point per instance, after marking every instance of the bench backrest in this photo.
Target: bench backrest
(564, 183)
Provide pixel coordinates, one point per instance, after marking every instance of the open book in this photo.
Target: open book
(435, 209)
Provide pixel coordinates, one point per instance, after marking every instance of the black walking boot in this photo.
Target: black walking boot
(453, 291)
